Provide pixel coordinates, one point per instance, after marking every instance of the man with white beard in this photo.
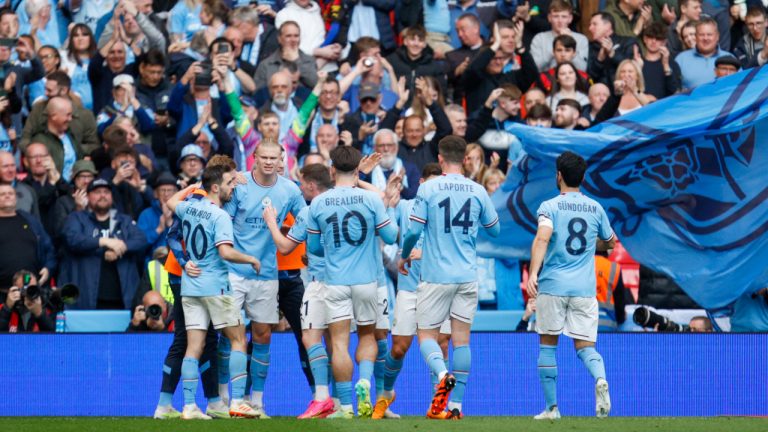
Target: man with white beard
(385, 143)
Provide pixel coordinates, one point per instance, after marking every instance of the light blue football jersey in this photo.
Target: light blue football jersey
(298, 234)
(253, 236)
(452, 208)
(410, 282)
(205, 226)
(347, 219)
(569, 266)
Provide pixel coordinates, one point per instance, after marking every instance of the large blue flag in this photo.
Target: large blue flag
(684, 181)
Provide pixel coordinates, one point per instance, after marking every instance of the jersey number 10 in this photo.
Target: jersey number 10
(334, 222)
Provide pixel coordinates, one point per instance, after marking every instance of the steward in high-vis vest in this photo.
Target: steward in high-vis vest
(610, 294)
(159, 279)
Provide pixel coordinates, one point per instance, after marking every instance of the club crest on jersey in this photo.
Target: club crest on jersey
(266, 202)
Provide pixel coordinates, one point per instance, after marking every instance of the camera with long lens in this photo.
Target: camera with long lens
(154, 311)
(647, 318)
(54, 299)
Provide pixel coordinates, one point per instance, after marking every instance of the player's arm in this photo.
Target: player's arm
(606, 237)
(228, 253)
(285, 245)
(490, 218)
(179, 196)
(538, 251)
(313, 244)
(411, 237)
(603, 245)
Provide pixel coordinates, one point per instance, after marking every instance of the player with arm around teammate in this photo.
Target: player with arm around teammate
(206, 298)
(449, 210)
(564, 250)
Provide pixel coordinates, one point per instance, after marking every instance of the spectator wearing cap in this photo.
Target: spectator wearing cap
(364, 122)
(751, 49)
(727, 65)
(76, 198)
(288, 39)
(24, 242)
(697, 64)
(109, 62)
(154, 221)
(191, 162)
(125, 103)
(64, 146)
(104, 239)
(45, 180)
(83, 123)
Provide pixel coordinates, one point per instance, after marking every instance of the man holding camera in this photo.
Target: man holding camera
(153, 314)
(23, 309)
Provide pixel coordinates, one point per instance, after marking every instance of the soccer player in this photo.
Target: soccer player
(449, 210)
(205, 292)
(315, 180)
(564, 251)
(218, 399)
(258, 291)
(404, 327)
(349, 219)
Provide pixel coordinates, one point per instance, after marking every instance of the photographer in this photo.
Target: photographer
(23, 309)
(153, 314)
(649, 319)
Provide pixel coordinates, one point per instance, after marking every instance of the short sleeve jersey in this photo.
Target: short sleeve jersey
(253, 237)
(452, 208)
(204, 227)
(569, 265)
(347, 219)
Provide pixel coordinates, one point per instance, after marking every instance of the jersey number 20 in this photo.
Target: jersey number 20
(192, 239)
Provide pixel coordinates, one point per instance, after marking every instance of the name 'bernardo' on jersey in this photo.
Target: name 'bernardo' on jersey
(576, 207)
(198, 213)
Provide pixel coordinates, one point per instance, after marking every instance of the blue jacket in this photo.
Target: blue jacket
(181, 105)
(82, 261)
(386, 33)
(147, 223)
(46, 254)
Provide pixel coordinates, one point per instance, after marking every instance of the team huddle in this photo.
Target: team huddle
(231, 226)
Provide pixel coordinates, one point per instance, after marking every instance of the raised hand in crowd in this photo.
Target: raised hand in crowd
(346, 138)
(425, 92)
(607, 49)
(668, 14)
(523, 12)
(493, 97)
(403, 93)
(495, 160)
(368, 163)
(394, 186)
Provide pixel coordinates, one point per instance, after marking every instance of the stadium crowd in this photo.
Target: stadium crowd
(109, 107)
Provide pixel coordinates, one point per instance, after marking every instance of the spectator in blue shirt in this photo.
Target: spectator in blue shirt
(697, 64)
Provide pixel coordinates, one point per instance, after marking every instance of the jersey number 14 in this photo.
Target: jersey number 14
(461, 219)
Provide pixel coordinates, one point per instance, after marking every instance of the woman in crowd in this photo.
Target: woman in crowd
(568, 85)
(81, 47)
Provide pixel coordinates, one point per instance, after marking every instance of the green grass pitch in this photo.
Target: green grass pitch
(469, 424)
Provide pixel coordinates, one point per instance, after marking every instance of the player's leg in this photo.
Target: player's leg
(291, 294)
(197, 321)
(463, 309)
(239, 291)
(365, 306)
(209, 375)
(223, 352)
(581, 324)
(403, 330)
(433, 305)
(313, 324)
(339, 311)
(550, 321)
(381, 333)
(444, 340)
(173, 360)
(262, 308)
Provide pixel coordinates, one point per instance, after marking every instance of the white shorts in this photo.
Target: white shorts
(346, 302)
(383, 309)
(437, 302)
(576, 317)
(258, 297)
(313, 307)
(405, 316)
(200, 311)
